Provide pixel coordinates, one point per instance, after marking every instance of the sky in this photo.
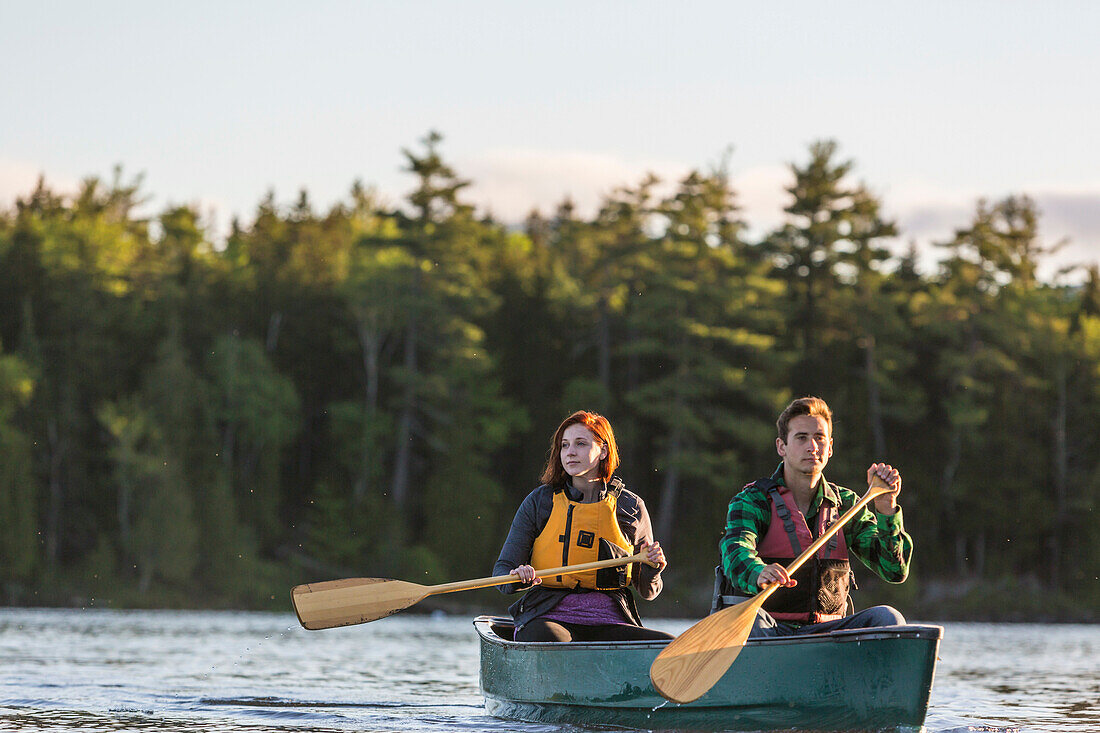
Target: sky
(214, 104)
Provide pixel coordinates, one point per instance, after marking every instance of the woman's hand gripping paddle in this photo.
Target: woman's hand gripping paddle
(358, 600)
(695, 660)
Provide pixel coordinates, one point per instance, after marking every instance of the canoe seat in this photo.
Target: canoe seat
(502, 627)
(725, 596)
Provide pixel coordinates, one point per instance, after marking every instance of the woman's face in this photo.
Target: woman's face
(581, 452)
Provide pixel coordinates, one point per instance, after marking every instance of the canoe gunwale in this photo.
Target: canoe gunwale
(484, 625)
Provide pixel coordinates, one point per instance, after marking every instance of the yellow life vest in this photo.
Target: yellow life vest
(579, 533)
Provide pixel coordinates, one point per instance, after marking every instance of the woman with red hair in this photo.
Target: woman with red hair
(581, 513)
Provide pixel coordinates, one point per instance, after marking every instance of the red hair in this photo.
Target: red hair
(554, 473)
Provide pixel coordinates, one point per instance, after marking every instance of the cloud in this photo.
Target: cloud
(928, 215)
(1075, 214)
(1075, 217)
(18, 179)
(761, 194)
(512, 182)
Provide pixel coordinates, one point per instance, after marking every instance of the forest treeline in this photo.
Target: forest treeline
(370, 390)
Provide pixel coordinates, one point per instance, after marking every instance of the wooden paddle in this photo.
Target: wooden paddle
(695, 660)
(350, 601)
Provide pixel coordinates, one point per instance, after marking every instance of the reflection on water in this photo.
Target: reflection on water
(101, 670)
(1029, 677)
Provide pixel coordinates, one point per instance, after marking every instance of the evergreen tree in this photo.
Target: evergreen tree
(158, 533)
(704, 394)
(18, 491)
(72, 283)
(830, 240)
(377, 296)
(257, 413)
(973, 318)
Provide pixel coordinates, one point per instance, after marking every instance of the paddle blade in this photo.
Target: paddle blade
(695, 660)
(352, 601)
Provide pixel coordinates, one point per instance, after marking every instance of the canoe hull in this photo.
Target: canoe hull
(877, 679)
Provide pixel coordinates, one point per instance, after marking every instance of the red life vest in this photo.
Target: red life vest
(823, 581)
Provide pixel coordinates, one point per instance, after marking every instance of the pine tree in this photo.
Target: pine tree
(704, 394)
(18, 490)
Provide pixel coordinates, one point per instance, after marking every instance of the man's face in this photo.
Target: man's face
(809, 444)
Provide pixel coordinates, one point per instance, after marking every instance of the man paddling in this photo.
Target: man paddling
(772, 520)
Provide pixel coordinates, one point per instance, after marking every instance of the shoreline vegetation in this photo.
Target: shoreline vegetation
(199, 423)
(1007, 600)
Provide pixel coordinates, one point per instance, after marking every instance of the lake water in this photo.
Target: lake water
(103, 670)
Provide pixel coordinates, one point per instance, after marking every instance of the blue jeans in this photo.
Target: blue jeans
(766, 626)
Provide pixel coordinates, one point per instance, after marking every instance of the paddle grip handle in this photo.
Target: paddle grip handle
(564, 570)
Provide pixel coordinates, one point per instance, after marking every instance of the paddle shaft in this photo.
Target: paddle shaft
(359, 600)
(563, 570)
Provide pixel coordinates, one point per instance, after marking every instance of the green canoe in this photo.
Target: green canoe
(876, 679)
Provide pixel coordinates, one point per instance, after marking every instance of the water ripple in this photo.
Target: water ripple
(112, 671)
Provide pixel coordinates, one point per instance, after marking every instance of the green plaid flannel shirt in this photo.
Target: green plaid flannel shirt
(878, 540)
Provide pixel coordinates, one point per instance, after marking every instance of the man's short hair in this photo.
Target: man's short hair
(812, 406)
